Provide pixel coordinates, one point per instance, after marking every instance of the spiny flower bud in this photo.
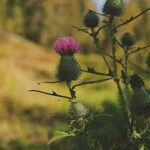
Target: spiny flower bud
(128, 40)
(68, 68)
(148, 60)
(77, 109)
(91, 20)
(113, 7)
(136, 82)
(140, 103)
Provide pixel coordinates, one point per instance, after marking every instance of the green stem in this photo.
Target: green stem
(113, 44)
(72, 102)
(116, 80)
(126, 69)
(99, 49)
(52, 94)
(90, 82)
(72, 92)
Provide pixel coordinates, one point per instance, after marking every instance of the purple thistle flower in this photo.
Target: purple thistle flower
(66, 45)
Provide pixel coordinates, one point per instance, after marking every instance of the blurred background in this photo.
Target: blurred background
(28, 29)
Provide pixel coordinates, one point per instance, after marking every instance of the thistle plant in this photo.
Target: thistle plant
(132, 121)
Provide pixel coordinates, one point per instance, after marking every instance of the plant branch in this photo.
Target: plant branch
(82, 30)
(100, 28)
(93, 71)
(51, 82)
(138, 49)
(119, 43)
(115, 73)
(71, 90)
(131, 19)
(126, 56)
(98, 47)
(99, 13)
(91, 82)
(87, 32)
(52, 94)
(118, 61)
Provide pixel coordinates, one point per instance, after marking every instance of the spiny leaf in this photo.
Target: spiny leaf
(55, 139)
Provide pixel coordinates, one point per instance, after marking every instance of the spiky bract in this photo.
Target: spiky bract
(68, 68)
(113, 7)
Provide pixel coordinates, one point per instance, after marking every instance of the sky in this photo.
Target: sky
(100, 3)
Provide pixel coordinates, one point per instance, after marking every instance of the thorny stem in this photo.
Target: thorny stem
(82, 30)
(99, 49)
(131, 19)
(138, 49)
(116, 80)
(119, 61)
(52, 94)
(49, 82)
(126, 68)
(99, 13)
(71, 90)
(95, 72)
(91, 82)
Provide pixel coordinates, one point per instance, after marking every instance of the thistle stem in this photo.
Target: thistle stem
(99, 49)
(95, 72)
(72, 92)
(91, 82)
(126, 68)
(131, 19)
(138, 49)
(52, 94)
(116, 80)
(49, 82)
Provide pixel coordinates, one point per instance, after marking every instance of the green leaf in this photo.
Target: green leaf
(64, 135)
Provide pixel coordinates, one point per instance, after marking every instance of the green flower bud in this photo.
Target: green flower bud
(148, 60)
(127, 39)
(113, 7)
(136, 82)
(91, 20)
(77, 109)
(68, 68)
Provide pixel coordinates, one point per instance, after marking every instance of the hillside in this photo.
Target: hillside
(26, 115)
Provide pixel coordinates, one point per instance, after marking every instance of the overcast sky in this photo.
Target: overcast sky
(100, 3)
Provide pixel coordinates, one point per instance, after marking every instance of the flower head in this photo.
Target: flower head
(136, 82)
(66, 45)
(128, 39)
(91, 19)
(113, 7)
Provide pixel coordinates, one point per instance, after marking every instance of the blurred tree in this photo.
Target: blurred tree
(43, 20)
(33, 12)
(142, 30)
(9, 7)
